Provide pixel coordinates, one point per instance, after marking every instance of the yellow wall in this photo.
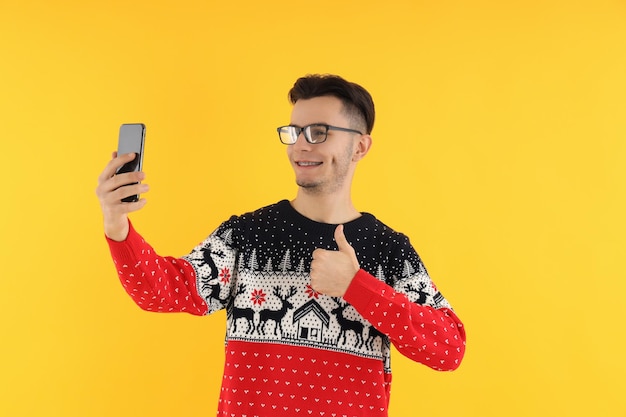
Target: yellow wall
(499, 149)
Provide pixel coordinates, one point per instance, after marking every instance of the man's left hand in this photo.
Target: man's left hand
(332, 271)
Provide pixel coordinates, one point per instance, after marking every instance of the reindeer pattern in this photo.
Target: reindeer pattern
(256, 266)
(280, 306)
(264, 310)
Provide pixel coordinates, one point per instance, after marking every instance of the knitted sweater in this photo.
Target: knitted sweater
(291, 351)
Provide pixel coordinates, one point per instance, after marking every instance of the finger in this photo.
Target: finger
(114, 164)
(136, 205)
(104, 175)
(317, 252)
(111, 201)
(125, 208)
(117, 181)
(340, 238)
(126, 191)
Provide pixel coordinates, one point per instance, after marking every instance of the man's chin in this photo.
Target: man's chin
(309, 186)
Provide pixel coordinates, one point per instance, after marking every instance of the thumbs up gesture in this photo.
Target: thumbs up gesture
(332, 271)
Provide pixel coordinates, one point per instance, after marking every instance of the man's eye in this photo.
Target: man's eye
(318, 133)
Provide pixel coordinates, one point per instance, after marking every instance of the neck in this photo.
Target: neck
(331, 208)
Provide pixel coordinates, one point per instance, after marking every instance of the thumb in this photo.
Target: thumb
(340, 238)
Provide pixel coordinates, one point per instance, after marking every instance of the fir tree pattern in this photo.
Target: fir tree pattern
(272, 300)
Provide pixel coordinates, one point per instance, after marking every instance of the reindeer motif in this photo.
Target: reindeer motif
(348, 325)
(372, 334)
(276, 315)
(212, 283)
(237, 313)
(421, 294)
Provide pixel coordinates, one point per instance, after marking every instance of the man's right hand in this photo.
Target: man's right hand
(110, 191)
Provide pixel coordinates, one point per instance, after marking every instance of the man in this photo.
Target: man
(315, 291)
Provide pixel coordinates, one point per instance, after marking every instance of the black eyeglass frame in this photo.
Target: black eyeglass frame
(306, 129)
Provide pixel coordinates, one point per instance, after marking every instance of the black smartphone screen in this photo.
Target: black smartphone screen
(131, 140)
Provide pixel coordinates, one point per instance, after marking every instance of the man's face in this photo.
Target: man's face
(324, 167)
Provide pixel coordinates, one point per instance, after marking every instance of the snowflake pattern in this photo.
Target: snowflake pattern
(311, 292)
(258, 297)
(225, 275)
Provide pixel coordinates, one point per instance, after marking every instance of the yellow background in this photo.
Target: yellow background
(499, 148)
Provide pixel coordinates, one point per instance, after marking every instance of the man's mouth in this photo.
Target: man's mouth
(307, 163)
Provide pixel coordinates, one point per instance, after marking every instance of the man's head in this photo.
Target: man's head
(329, 132)
(358, 105)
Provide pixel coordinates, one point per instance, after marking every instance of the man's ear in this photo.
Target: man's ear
(362, 147)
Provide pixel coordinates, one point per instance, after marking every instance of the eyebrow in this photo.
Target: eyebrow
(316, 123)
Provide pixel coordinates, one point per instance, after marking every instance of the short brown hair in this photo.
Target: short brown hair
(357, 102)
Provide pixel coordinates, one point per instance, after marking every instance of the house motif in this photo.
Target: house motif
(311, 320)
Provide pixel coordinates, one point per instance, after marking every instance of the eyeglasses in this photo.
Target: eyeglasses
(314, 134)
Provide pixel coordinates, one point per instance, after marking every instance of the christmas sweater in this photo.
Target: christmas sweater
(290, 350)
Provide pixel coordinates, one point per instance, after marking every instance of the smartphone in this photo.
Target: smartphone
(131, 139)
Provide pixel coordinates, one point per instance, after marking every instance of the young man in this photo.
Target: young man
(315, 291)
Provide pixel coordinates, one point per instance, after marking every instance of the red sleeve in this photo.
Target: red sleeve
(434, 337)
(155, 283)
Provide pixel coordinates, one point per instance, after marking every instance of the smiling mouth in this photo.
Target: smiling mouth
(307, 163)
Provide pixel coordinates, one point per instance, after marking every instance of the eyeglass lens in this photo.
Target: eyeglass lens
(312, 133)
